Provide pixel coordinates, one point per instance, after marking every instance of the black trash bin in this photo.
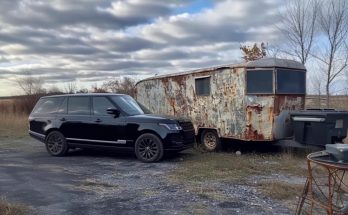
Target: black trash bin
(319, 126)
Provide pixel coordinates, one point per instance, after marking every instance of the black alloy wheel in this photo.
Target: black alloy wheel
(56, 144)
(149, 148)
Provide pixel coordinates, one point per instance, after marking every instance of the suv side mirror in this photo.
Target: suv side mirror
(113, 111)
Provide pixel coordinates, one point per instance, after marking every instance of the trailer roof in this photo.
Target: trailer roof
(261, 63)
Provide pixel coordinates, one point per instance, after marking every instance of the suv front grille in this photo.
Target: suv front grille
(188, 131)
(186, 126)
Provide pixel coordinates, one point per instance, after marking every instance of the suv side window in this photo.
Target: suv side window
(100, 105)
(63, 109)
(47, 105)
(79, 105)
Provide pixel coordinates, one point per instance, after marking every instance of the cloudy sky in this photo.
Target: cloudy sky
(91, 41)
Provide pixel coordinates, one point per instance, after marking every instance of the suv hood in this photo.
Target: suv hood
(153, 118)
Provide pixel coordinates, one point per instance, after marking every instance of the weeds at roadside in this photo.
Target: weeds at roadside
(227, 167)
(99, 187)
(13, 125)
(199, 168)
(280, 190)
(208, 193)
(88, 183)
(197, 208)
(7, 208)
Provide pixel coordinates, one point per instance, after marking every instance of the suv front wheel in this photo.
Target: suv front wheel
(149, 148)
(56, 144)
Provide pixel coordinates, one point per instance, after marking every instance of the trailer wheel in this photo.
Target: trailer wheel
(210, 140)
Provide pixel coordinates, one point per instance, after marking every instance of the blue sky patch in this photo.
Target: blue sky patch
(195, 6)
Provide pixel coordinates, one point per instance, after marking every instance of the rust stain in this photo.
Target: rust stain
(172, 103)
(180, 79)
(288, 102)
(252, 134)
(270, 114)
(249, 116)
(257, 108)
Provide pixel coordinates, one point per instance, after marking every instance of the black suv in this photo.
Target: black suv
(107, 120)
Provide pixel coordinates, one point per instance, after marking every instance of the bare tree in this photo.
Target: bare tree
(125, 85)
(31, 85)
(317, 87)
(33, 89)
(54, 90)
(70, 87)
(96, 89)
(82, 90)
(333, 54)
(299, 27)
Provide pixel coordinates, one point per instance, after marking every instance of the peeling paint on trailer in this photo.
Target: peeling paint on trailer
(227, 108)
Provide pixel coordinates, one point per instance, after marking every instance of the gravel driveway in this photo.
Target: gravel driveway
(86, 182)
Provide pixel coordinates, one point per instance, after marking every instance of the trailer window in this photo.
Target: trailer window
(202, 86)
(291, 81)
(259, 81)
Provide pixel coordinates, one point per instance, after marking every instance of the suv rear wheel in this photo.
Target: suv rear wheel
(56, 144)
(149, 148)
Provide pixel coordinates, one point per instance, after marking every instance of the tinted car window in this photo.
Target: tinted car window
(63, 107)
(128, 105)
(144, 108)
(78, 105)
(47, 105)
(100, 105)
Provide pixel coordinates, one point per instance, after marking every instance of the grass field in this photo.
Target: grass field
(229, 167)
(13, 125)
(270, 173)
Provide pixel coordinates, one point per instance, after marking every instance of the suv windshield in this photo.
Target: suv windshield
(128, 105)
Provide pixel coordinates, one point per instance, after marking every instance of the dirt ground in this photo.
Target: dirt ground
(89, 182)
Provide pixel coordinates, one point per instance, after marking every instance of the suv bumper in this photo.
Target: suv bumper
(179, 141)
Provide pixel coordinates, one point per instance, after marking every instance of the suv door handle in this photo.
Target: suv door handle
(98, 120)
(62, 119)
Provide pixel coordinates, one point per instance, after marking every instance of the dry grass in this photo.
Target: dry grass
(13, 125)
(93, 183)
(227, 167)
(196, 208)
(201, 168)
(7, 208)
(281, 190)
(207, 192)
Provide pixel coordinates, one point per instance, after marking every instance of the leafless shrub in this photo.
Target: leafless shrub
(7, 208)
(31, 85)
(70, 87)
(125, 85)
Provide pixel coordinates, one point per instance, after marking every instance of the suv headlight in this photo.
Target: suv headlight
(172, 127)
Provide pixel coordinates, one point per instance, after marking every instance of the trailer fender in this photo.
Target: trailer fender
(282, 128)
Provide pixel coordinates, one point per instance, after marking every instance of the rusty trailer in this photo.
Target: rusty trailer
(241, 101)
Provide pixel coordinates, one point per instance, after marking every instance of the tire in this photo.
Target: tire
(56, 144)
(210, 141)
(149, 148)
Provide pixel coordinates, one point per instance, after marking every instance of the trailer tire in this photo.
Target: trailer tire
(210, 140)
